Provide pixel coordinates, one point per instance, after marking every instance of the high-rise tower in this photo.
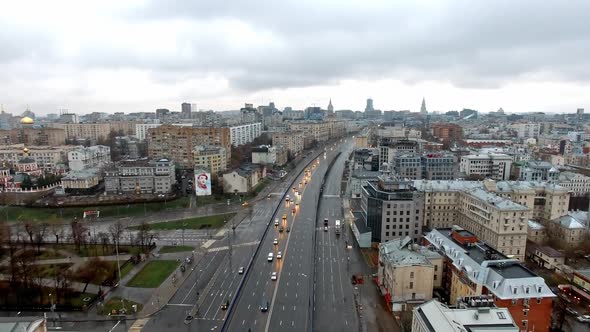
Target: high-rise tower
(423, 107)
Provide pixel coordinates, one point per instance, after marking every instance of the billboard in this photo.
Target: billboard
(202, 183)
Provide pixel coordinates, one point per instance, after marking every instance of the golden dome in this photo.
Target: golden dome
(26, 150)
(26, 120)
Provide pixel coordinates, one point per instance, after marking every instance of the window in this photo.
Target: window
(514, 301)
(539, 300)
(386, 233)
(501, 315)
(411, 284)
(525, 312)
(411, 274)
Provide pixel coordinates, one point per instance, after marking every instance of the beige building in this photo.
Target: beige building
(243, 179)
(536, 232)
(49, 158)
(34, 136)
(336, 128)
(361, 142)
(571, 229)
(92, 131)
(141, 176)
(95, 156)
(82, 179)
(407, 273)
(293, 141)
(319, 130)
(211, 157)
(178, 143)
(491, 165)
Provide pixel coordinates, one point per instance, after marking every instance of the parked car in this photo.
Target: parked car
(583, 318)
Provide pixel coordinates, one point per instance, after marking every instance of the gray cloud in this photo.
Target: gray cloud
(308, 43)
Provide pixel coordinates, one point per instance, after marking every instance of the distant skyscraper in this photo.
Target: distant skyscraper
(369, 106)
(423, 107)
(330, 107)
(186, 110)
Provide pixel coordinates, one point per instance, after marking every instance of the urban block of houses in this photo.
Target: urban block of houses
(142, 176)
(244, 179)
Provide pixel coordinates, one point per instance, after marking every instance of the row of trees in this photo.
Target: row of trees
(23, 245)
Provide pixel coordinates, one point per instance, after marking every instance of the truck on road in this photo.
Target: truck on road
(337, 227)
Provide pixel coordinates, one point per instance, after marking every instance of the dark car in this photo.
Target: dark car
(288, 229)
(264, 306)
(225, 305)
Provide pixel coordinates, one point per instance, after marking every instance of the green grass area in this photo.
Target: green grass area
(98, 250)
(114, 303)
(153, 274)
(124, 269)
(171, 249)
(19, 213)
(50, 270)
(215, 221)
(45, 254)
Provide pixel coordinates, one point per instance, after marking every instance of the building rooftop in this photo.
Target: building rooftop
(446, 185)
(585, 272)
(495, 200)
(570, 222)
(504, 277)
(488, 156)
(402, 252)
(535, 225)
(82, 174)
(439, 317)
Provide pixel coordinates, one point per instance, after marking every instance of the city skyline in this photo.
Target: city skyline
(139, 56)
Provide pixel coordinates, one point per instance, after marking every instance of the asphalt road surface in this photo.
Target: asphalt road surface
(334, 306)
(215, 278)
(290, 296)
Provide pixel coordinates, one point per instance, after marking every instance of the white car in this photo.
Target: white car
(279, 255)
(241, 270)
(275, 242)
(583, 318)
(276, 222)
(273, 276)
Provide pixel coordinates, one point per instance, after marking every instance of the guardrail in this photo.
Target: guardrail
(313, 278)
(256, 252)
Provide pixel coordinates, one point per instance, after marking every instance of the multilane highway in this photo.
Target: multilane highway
(290, 297)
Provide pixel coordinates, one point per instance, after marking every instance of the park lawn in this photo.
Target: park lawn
(215, 221)
(114, 303)
(172, 249)
(45, 254)
(91, 250)
(153, 274)
(50, 270)
(19, 213)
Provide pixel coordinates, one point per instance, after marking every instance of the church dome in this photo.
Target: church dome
(27, 121)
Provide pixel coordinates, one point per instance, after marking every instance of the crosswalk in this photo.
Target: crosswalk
(253, 243)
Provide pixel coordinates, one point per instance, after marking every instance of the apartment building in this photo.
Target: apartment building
(34, 136)
(91, 131)
(244, 179)
(447, 132)
(336, 128)
(141, 176)
(434, 316)
(431, 166)
(95, 156)
(78, 181)
(472, 268)
(538, 171)
(497, 221)
(271, 155)
(210, 157)
(52, 159)
(577, 184)
(319, 130)
(571, 229)
(407, 273)
(527, 130)
(390, 148)
(293, 141)
(536, 232)
(392, 208)
(244, 134)
(177, 143)
(141, 129)
(492, 165)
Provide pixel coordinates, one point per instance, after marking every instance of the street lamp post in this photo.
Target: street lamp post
(119, 269)
(183, 227)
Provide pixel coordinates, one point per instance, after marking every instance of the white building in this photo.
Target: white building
(434, 316)
(491, 165)
(245, 134)
(90, 157)
(578, 184)
(528, 130)
(141, 129)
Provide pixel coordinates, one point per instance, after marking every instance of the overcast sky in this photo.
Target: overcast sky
(113, 55)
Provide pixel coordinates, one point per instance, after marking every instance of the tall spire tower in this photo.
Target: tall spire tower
(330, 107)
(423, 107)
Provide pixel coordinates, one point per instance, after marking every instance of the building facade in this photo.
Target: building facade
(494, 166)
(141, 177)
(141, 129)
(392, 208)
(244, 134)
(293, 141)
(319, 130)
(407, 272)
(430, 166)
(210, 157)
(528, 130)
(177, 143)
(95, 156)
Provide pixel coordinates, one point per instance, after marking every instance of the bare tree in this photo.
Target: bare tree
(104, 240)
(79, 234)
(56, 230)
(116, 231)
(95, 270)
(6, 234)
(144, 234)
(39, 235)
(30, 229)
